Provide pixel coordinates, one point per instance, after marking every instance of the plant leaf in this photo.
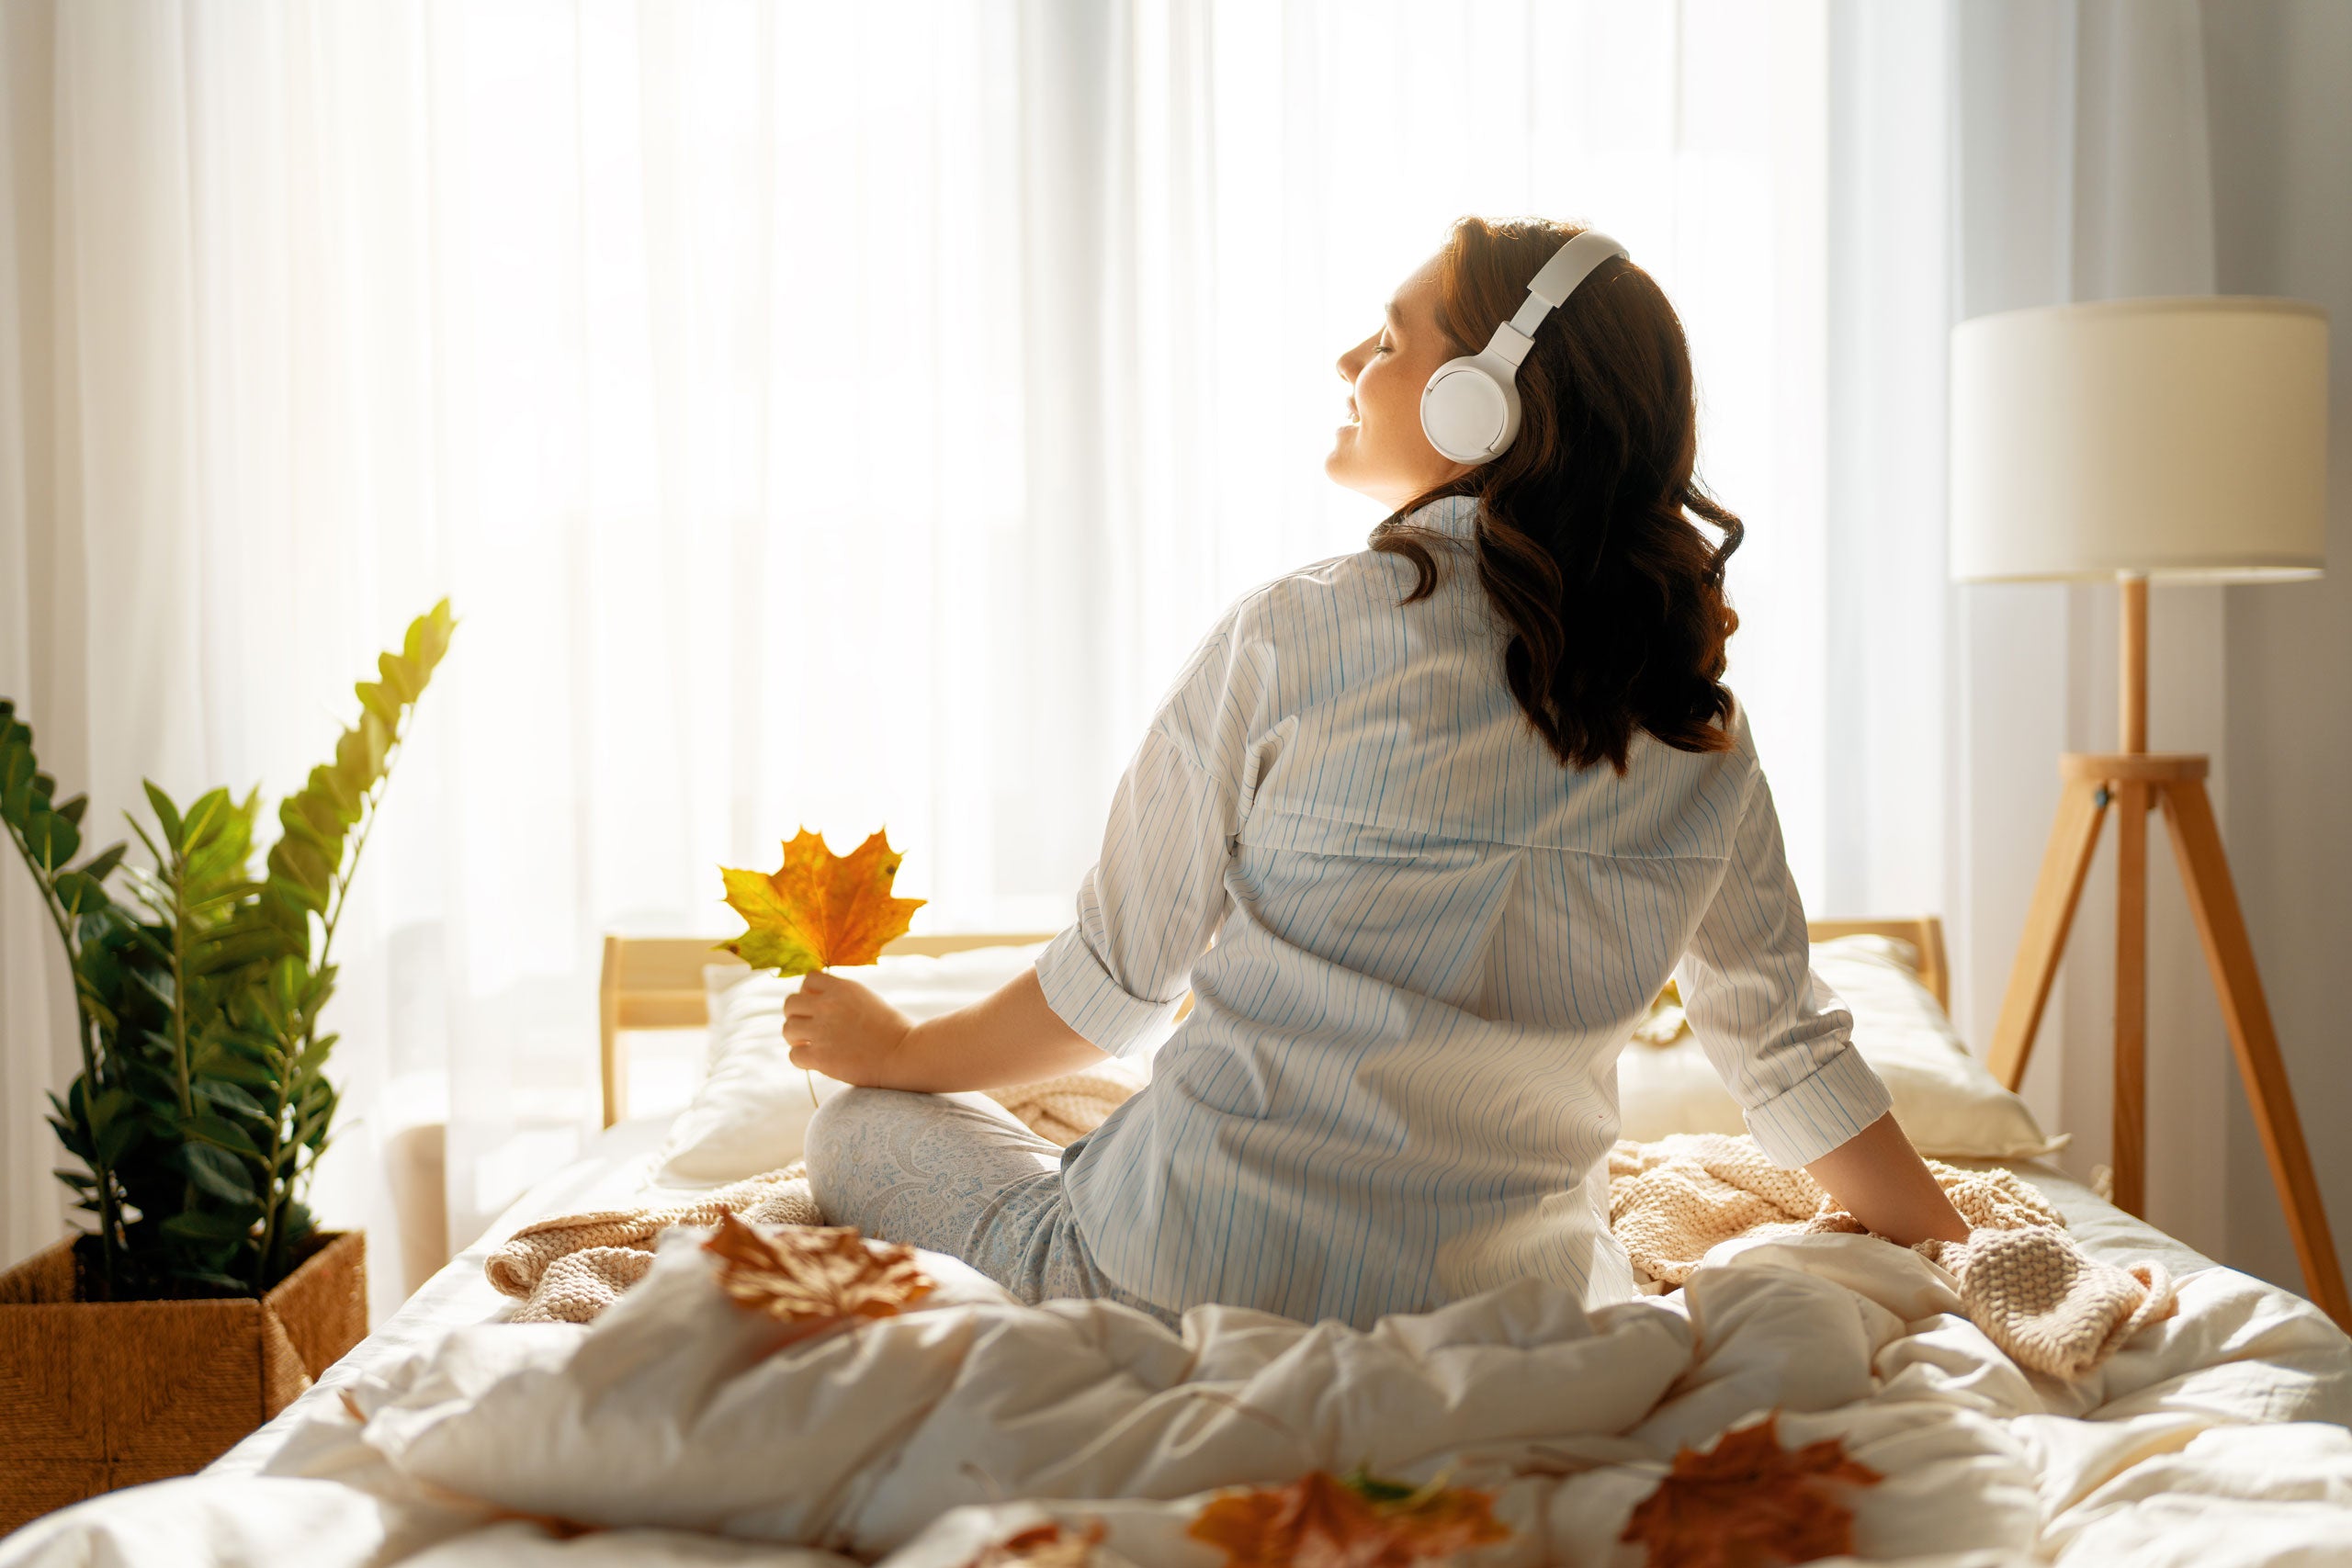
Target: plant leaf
(399, 679)
(167, 816)
(428, 638)
(328, 787)
(106, 1108)
(1749, 1500)
(302, 863)
(317, 809)
(221, 1131)
(218, 1172)
(818, 909)
(78, 892)
(205, 817)
(53, 840)
(100, 866)
(380, 700)
(377, 737)
(115, 1142)
(226, 1095)
(16, 771)
(206, 1226)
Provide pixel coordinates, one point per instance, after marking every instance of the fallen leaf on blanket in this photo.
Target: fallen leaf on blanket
(1354, 1521)
(818, 909)
(1749, 1502)
(812, 1275)
(1049, 1545)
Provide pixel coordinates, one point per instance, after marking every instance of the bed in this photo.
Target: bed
(450, 1439)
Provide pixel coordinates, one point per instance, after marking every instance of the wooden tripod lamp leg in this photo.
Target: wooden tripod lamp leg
(2131, 803)
(2197, 841)
(2064, 864)
(2131, 1112)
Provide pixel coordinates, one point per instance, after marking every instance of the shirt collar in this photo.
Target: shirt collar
(1456, 517)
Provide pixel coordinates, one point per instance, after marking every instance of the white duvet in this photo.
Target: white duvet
(2214, 1437)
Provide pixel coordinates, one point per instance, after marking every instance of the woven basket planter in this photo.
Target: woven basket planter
(99, 1394)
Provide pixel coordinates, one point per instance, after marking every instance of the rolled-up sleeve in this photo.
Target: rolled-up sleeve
(1157, 893)
(1777, 1036)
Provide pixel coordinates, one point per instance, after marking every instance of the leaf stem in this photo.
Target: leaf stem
(280, 1189)
(348, 871)
(274, 1197)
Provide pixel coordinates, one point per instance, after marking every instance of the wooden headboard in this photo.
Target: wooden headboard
(655, 982)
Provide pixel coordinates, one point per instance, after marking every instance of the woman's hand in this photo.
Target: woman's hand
(1882, 1182)
(840, 1029)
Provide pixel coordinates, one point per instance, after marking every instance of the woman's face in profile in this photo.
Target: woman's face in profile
(1380, 451)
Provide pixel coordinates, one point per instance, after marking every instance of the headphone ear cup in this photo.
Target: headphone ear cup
(1468, 411)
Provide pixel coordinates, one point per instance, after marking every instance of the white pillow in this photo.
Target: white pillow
(1944, 1100)
(750, 1112)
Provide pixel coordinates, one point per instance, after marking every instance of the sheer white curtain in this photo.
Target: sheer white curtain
(1988, 156)
(2083, 173)
(839, 416)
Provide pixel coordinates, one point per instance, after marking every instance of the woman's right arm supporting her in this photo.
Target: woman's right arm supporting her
(1782, 1046)
(1880, 1179)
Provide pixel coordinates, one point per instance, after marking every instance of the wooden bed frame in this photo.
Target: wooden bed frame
(655, 982)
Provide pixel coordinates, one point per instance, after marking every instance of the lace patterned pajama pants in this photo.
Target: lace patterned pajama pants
(956, 1173)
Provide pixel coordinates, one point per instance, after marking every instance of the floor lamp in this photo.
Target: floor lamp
(2179, 439)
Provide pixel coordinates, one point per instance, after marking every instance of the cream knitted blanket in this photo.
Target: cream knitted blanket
(569, 1269)
(2049, 1307)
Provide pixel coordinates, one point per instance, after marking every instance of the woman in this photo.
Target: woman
(1453, 809)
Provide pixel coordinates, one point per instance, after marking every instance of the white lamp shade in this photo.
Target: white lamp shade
(2181, 438)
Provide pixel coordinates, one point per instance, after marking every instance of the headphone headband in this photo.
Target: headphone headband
(1549, 289)
(1470, 408)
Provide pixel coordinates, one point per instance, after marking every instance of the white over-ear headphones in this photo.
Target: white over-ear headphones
(1470, 409)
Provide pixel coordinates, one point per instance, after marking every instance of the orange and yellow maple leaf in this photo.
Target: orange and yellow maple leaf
(1322, 1520)
(1749, 1502)
(818, 909)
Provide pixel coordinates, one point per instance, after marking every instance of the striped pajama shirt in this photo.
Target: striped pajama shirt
(1398, 1085)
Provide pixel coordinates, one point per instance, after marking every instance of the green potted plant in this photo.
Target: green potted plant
(204, 1297)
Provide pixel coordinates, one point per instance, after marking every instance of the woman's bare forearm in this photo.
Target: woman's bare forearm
(1880, 1179)
(1009, 1037)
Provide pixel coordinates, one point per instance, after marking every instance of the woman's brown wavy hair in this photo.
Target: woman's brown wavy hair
(1586, 544)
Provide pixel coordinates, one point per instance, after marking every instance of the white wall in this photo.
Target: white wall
(2276, 80)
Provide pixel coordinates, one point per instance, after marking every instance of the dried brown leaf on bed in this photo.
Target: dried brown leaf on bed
(1048, 1545)
(818, 909)
(809, 1276)
(1358, 1520)
(1750, 1501)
